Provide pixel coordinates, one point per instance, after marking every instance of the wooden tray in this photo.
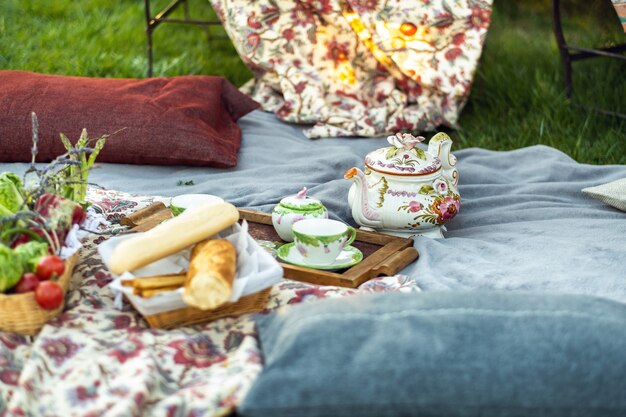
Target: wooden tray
(382, 254)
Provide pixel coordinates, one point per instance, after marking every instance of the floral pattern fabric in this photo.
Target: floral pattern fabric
(94, 360)
(620, 8)
(359, 67)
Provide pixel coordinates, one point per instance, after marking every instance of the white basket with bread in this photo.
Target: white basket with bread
(202, 258)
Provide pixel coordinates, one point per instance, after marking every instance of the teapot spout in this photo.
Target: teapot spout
(358, 199)
(439, 146)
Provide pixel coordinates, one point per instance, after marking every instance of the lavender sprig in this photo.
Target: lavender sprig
(68, 173)
(34, 150)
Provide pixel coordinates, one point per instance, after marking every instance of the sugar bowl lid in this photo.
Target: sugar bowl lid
(301, 202)
(403, 157)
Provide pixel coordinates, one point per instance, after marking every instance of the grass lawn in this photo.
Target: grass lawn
(517, 99)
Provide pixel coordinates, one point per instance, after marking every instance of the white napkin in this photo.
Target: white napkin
(256, 270)
(77, 233)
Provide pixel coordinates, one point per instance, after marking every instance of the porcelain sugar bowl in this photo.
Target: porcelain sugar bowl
(404, 190)
(295, 208)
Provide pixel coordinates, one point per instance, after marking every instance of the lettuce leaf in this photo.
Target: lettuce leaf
(11, 268)
(11, 200)
(5, 212)
(30, 253)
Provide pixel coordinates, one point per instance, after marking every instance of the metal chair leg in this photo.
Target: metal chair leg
(149, 29)
(163, 17)
(566, 60)
(149, 35)
(580, 53)
(186, 9)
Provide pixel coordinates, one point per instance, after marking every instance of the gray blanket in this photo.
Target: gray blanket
(524, 223)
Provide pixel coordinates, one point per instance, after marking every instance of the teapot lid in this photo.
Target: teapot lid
(403, 157)
(301, 202)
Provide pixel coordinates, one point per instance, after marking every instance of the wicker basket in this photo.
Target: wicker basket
(20, 313)
(190, 316)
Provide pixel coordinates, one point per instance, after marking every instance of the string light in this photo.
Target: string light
(346, 72)
(366, 37)
(395, 40)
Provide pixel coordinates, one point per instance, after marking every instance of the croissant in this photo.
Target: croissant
(209, 280)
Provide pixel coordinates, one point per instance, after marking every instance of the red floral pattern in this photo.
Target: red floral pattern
(128, 349)
(361, 67)
(59, 350)
(9, 376)
(479, 18)
(336, 52)
(198, 351)
(95, 360)
(363, 6)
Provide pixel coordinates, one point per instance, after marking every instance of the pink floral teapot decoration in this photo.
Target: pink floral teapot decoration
(405, 190)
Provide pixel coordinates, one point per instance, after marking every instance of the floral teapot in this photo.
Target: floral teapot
(404, 190)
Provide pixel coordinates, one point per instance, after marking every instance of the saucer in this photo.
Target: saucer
(348, 257)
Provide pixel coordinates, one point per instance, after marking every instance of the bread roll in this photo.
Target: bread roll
(192, 226)
(212, 267)
(157, 281)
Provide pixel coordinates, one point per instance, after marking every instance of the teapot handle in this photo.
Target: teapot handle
(439, 146)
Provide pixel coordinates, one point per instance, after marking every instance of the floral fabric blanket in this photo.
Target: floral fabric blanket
(359, 67)
(94, 360)
(620, 8)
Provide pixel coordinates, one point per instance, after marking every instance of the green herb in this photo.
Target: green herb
(76, 176)
(68, 174)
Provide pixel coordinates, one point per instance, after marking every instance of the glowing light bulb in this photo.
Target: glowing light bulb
(408, 29)
(398, 43)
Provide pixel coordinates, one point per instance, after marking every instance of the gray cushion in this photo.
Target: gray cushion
(612, 193)
(443, 354)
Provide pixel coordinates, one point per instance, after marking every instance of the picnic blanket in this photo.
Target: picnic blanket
(524, 225)
(94, 360)
(359, 67)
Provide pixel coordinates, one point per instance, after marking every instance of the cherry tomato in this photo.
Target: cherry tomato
(28, 283)
(50, 266)
(49, 295)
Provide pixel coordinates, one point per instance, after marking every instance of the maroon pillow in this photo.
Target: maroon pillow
(187, 120)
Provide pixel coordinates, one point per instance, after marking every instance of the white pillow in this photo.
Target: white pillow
(613, 193)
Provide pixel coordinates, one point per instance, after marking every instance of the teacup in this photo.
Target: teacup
(320, 241)
(182, 202)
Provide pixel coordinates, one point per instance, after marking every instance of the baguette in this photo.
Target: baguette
(209, 281)
(192, 226)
